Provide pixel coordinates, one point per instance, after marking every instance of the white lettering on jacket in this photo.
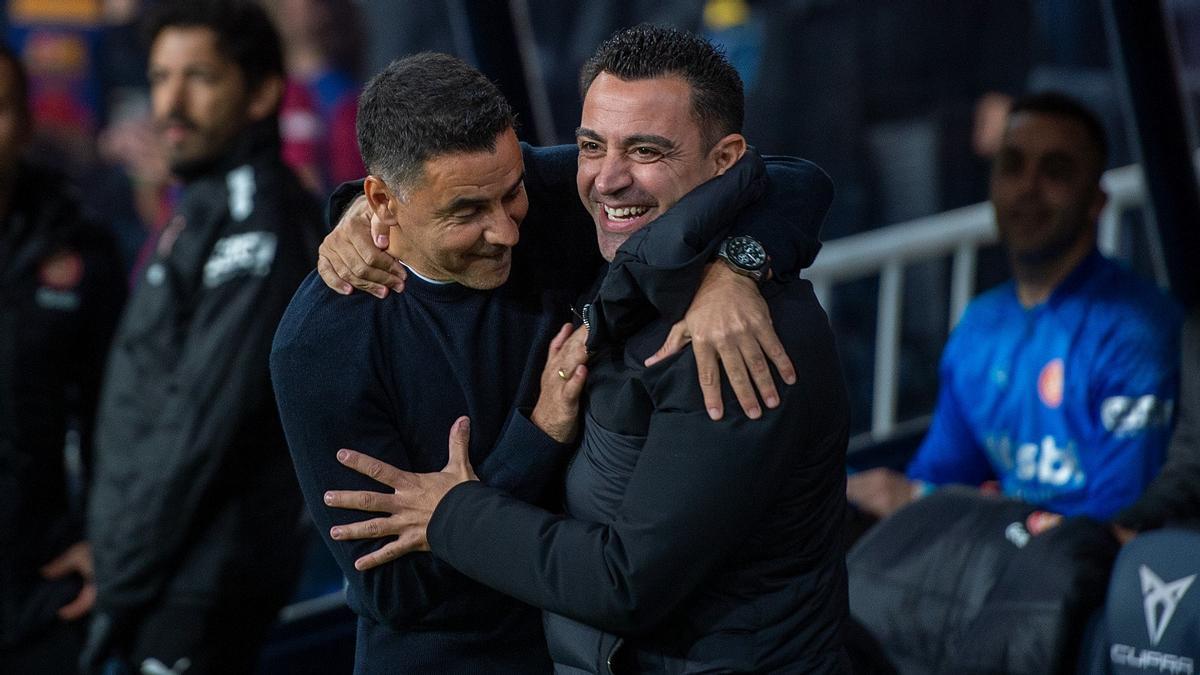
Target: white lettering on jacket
(249, 253)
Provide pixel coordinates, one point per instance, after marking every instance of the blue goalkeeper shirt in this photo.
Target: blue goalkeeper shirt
(1067, 404)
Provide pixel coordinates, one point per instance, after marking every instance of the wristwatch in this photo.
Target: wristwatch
(745, 256)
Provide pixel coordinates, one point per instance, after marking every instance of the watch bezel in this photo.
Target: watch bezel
(734, 256)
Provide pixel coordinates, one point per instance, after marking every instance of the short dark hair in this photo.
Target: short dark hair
(1060, 105)
(21, 80)
(647, 51)
(423, 106)
(245, 34)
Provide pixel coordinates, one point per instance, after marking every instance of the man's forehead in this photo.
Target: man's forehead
(452, 176)
(649, 109)
(1030, 131)
(195, 43)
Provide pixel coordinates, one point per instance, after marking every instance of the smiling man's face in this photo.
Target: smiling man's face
(640, 151)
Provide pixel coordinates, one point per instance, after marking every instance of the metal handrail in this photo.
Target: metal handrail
(958, 233)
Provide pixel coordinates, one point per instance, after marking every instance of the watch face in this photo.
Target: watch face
(746, 252)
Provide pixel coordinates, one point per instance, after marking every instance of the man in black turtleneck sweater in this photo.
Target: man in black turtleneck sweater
(194, 516)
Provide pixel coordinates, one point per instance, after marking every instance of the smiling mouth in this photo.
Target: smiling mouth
(624, 213)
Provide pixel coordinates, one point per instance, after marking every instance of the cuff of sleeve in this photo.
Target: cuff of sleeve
(530, 457)
(438, 532)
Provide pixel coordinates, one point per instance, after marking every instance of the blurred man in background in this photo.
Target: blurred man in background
(193, 478)
(1061, 384)
(1059, 387)
(61, 288)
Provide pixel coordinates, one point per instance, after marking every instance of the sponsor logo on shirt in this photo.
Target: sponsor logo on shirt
(1049, 463)
(249, 253)
(1127, 415)
(1043, 469)
(1050, 384)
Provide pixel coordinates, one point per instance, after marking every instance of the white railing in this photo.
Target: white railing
(887, 251)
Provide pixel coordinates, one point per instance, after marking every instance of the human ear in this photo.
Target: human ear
(727, 152)
(265, 99)
(381, 200)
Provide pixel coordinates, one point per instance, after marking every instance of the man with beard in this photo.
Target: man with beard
(191, 459)
(1060, 384)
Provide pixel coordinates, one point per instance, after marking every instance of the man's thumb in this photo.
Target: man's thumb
(460, 442)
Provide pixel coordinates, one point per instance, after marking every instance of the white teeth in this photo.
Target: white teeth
(625, 212)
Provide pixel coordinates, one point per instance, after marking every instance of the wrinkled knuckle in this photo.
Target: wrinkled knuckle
(373, 529)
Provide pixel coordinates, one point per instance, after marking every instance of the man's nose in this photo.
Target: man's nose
(614, 175)
(169, 96)
(1029, 182)
(503, 230)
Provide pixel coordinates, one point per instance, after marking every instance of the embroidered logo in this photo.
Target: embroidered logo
(247, 253)
(62, 271)
(1160, 600)
(1050, 383)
